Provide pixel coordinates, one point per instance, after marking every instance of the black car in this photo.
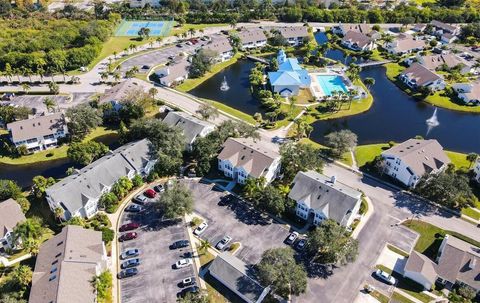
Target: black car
(179, 244)
(159, 188)
(179, 45)
(226, 200)
(145, 67)
(129, 272)
(185, 291)
(134, 208)
(130, 263)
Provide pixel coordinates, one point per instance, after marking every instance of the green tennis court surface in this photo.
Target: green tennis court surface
(131, 28)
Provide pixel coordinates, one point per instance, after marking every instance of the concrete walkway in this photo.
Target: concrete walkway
(5, 262)
(364, 218)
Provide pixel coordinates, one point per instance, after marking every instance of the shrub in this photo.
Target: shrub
(195, 222)
(137, 181)
(107, 200)
(107, 235)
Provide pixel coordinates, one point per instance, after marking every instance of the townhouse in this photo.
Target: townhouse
(366, 29)
(119, 93)
(10, 216)
(323, 197)
(468, 92)
(79, 193)
(446, 33)
(243, 158)
(252, 38)
(476, 170)
(143, 3)
(66, 265)
(434, 62)
(191, 127)
(405, 44)
(457, 263)
(174, 73)
(418, 75)
(222, 47)
(357, 41)
(408, 161)
(295, 35)
(38, 133)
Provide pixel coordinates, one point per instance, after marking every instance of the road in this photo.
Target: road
(391, 207)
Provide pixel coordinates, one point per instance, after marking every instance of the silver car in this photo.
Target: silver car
(224, 242)
(385, 277)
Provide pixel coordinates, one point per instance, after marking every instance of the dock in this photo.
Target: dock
(257, 59)
(374, 63)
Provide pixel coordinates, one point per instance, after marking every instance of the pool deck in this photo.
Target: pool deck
(316, 88)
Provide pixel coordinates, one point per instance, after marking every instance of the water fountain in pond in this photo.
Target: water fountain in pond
(432, 122)
(224, 86)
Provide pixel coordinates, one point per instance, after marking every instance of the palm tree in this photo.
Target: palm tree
(129, 74)
(103, 76)
(153, 92)
(49, 102)
(53, 87)
(17, 72)
(369, 82)
(192, 31)
(8, 72)
(116, 76)
(204, 246)
(135, 69)
(150, 44)
(184, 35)
(158, 40)
(27, 72)
(59, 212)
(472, 157)
(26, 87)
(40, 73)
(115, 55)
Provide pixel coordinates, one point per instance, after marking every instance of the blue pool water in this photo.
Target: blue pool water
(330, 83)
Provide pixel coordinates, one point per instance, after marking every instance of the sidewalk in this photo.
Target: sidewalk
(193, 242)
(364, 218)
(7, 263)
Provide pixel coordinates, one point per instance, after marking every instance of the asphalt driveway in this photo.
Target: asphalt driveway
(157, 281)
(255, 232)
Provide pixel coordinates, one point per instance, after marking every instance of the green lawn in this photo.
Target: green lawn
(396, 297)
(380, 297)
(393, 70)
(184, 28)
(412, 288)
(232, 111)
(472, 213)
(190, 84)
(432, 236)
(440, 100)
(367, 153)
(459, 159)
(384, 268)
(56, 153)
(214, 296)
(397, 250)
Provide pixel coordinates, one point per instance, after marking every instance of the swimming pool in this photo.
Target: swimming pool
(331, 83)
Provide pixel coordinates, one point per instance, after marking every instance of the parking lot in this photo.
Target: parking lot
(255, 232)
(157, 280)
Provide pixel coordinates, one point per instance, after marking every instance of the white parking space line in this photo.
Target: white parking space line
(397, 219)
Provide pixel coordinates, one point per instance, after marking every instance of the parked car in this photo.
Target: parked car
(179, 244)
(129, 226)
(171, 57)
(134, 208)
(226, 200)
(185, 291)
(140, 199)
(187, 254)
(129, 272)
(200, 228)
(188, 281)
(179, 45)
(183, 263)
(128, 236)
(130, 263)
(301, 244)
(145, 67)
(159, 188)
(130, 253)
(150, 193)
(292, 237)
(385, 277)
(224, 242)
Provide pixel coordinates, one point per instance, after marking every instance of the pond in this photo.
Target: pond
(238, 95)
(394, 115)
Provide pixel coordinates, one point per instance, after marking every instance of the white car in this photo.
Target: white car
(292, 237)
(200, 228)
(224, 242)
(385, 277)
(183, 263)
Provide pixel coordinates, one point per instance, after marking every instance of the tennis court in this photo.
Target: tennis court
(131, 28)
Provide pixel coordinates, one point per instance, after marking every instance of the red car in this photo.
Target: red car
(129, 226)
(150, 193)
(128, 236)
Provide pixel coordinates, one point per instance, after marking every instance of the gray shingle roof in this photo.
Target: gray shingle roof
(422, 156)
(219, 44)
(421, 74)
(10, 215)
(37, 127)
(251, 35)
(65, 266)
(357, 37)
(336, 200)
(293, 31)
(118, 92)
(75, 190)
(421, 264)
(252, 155)
(235, 275)
(444, 26)
(191, 126)
(177, 69)
(460, 261)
